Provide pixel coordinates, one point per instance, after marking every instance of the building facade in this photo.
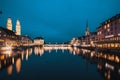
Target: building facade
(38, 41)
(8, 37)
(93, 39)
(26, 41)
(109, 33)
(18, 28)
(9, 24)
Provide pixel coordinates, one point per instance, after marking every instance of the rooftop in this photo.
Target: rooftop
(38, 38)
(9, 32)
(110, 20)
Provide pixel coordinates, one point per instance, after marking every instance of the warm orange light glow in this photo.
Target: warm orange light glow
(9, 70)
(0, 65)
(18, 65)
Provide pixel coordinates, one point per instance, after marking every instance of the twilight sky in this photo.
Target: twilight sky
(57, 20)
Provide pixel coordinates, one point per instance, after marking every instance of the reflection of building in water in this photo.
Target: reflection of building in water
(39, 51)
(30, 51)
(50, 48)
(6, 50)
(7, 61)
(74, 50)
(9, 69)
(108, 64)
(27, 52)
(18, 65)
(27, 56)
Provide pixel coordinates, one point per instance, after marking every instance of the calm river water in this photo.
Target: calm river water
(58, 63)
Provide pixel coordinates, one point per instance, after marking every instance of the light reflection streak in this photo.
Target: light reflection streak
(107, 63)
(7, 60)
(104, 61)
(18, 65)
(9, 70)
(119, 71)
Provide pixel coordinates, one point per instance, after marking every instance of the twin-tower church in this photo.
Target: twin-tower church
(18, 26)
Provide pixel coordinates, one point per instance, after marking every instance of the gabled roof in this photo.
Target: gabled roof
(9, 32)
(27, 37)
(110, 20)
(38, 38)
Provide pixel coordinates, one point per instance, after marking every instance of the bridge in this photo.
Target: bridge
(57, 45)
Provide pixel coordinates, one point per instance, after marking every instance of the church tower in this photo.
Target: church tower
(87, 30)
(18, 28)
(9, 23)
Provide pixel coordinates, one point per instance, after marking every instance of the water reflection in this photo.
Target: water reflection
(18, 65)
(14, 57)
(108, 64)
(9, 69)
(39, 51)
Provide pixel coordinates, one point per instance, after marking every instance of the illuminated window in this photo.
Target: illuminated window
(112, 45)
(105, 26)
(108, 30)
(108, 45)
(116, 45)
(108, 25)
(4, 35)
(100, 32)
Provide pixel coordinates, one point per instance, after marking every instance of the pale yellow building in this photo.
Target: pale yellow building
(9, 24)
(38, 41)
(18, 28)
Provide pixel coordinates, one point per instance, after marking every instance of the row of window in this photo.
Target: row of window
(8, 36)
(108, 31)
(112, 23)
(109, 39)
(109, 27)
(109, 45)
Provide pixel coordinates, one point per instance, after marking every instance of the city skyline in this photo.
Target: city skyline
(58, 21)
(60, 39)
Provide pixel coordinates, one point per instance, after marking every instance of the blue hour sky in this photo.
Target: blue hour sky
(57, 20)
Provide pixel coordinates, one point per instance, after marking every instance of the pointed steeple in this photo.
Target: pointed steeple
(9, 23)
(87, 30)
(18, 28)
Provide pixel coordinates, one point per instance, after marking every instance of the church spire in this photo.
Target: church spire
(18, 28)
(87, 30)
(9, 23)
